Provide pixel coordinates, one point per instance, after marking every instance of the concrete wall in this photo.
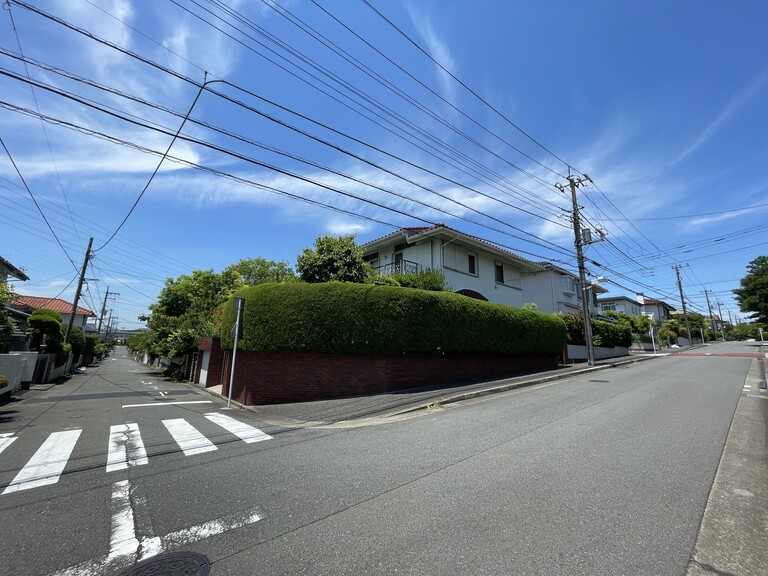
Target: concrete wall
(576, 352)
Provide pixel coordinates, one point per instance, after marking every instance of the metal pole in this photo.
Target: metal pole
(77, 292)
(239, 303)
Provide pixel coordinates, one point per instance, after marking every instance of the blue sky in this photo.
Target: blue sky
(661, 103)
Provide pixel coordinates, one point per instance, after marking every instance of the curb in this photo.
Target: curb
(515, 385)
(424, 405)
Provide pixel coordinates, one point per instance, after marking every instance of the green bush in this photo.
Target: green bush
(428, 279)
(607, 334)
(348, 318)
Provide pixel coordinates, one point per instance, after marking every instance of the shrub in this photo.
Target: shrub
(367, 319)
(428, 279)
(608, 334)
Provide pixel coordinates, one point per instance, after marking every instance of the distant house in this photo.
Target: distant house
(554, 289)
(8, 270)
(472, 266)
(658, 310)
(620, 304)
(17, 340)
(29, 304)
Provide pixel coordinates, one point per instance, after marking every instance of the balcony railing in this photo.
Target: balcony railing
(401, 267)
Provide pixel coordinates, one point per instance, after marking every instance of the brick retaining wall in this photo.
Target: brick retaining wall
(274, 378)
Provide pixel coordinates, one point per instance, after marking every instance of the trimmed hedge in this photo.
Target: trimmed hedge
(607, 334)
(344, 318)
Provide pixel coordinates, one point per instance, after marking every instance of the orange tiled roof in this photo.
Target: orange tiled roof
(55, 304)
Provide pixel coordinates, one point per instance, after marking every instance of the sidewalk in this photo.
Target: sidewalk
(359, 409)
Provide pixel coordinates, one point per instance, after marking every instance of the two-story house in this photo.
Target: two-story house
(554, 289)
(471, 265)
(620, 304)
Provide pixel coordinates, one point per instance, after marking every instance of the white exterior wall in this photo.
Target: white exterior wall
(485, 282)
(429, 254)
(545, 289)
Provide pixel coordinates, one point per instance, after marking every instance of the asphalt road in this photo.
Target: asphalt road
(606, 473)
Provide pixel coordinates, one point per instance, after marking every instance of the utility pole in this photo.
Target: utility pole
(574, 183)
(104, 308)
(77, 292)
(722, 324)
(682, 300)
(711, 320)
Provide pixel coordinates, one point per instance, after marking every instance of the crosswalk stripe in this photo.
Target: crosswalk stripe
(245, 432)
(6, 440)
(48, 463)
(187, 437)
(125, 447)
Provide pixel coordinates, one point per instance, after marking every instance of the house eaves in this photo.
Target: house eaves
(441, 231)
(12, 271)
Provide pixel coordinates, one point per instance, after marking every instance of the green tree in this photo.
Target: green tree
(753, 294)
(334, 259)
(77, 342)
(260, 271)
(186, 310)
(49, 331)
(7, 325)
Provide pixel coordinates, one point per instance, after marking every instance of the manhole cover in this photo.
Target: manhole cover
(171, 564)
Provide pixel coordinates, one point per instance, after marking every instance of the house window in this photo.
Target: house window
(609, 307)
(507, 275)
(460, 259)
(569, 284)
(372, 259)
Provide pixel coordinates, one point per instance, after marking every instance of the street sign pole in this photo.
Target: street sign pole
(236, 331)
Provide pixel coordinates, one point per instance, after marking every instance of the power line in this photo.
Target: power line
(231, 153)
(39, 209)
(157, 168)
(465, 86)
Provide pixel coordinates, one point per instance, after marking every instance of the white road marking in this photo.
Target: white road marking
(125, 447)
(125, 546)
(211, 528)
(168, 403)
(187, 437)
(123, 541)
(6, 440)
(245, 432)
(48, 462)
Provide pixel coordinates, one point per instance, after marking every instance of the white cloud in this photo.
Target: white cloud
(437, 48)
(732, 107)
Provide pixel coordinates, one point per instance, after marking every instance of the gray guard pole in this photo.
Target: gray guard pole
(237, 330)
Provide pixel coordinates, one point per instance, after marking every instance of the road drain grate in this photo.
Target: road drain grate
(760, 396)
(171, 564)
(608, 381)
